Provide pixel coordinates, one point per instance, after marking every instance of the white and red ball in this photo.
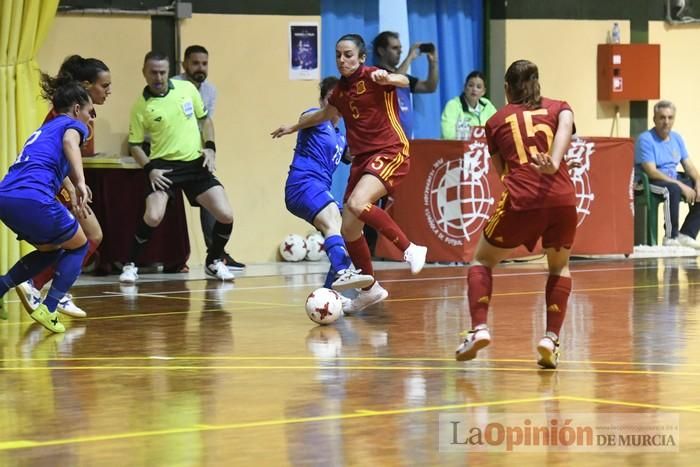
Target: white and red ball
(323, 306)
(314, 247)
(293, 248)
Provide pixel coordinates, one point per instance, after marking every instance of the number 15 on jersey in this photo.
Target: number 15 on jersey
(531, 130)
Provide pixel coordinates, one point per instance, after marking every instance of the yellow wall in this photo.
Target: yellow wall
(104, 37)
(248, 65)
(567, 66)
(680, 67)
(568, 71)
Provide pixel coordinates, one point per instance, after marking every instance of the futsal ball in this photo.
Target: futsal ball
(314, 247)
(293, 248)
(323, 306)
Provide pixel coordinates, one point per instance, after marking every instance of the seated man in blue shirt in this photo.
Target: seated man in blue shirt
(657, 152)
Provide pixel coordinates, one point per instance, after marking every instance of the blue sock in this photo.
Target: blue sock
(67, 271)
(330, 278)
(337, 253)
(29, 266)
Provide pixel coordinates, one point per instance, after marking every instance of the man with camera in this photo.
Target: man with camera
(387, 54)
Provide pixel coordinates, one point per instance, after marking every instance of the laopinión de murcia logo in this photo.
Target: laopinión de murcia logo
(457, 195)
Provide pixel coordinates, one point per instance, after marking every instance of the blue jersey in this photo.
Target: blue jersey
(318, 151)
(41, 166)
(666, 155)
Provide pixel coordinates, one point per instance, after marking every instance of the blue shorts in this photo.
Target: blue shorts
(39, 222)
(307, 198)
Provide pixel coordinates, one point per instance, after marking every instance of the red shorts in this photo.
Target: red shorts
(509, 229)
(389, 167)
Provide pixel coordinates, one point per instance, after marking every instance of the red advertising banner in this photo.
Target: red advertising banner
(452, 189)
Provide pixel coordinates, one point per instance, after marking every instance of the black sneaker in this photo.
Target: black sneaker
(231, 263)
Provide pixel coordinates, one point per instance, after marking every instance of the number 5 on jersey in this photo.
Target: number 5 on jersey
(531, 130)
(355, 110)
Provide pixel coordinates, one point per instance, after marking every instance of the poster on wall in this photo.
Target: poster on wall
(303, 51)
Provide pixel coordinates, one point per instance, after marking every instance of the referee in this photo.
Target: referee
(170, 111)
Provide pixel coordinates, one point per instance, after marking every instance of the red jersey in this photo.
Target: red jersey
(515, 133)
(88, 147)
(370, 112)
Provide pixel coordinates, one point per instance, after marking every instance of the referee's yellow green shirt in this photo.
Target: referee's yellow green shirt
(170, 120)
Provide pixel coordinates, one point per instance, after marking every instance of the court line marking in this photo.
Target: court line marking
(644, 405)
(390, 300)
(137, 314)
(345, 368)
(264, 305)
(22, 444)
(359, 413)
(318, 284)
(332, 359)
(157, 295)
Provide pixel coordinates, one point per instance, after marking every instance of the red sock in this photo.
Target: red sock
(47, 274)
(43, 277)
(480, 284)
(383, 223)
(92, 248)
(360, 255)
(557, 297)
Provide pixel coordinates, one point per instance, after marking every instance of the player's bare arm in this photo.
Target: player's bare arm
(307, 120)
(71, 148)
(385, 78)
(549, 163)
(562, 138)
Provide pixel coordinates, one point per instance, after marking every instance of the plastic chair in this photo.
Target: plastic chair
(646, 212)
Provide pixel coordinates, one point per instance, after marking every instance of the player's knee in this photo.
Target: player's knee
(326, 227)
(558, 269)
(153, 219)
(95, 237)
(351, 232)
(355, 206)
(225, 217)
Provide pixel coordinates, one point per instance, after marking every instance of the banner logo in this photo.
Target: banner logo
(581, 151)
(457, 196)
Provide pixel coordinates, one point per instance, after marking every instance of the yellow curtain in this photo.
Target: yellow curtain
(24, 25)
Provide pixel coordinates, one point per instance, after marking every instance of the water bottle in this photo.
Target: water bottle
(466, 130)
(459, 134)
(616, 33)
(462, 129)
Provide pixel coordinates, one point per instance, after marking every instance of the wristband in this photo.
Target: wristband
(210, 145)
(148, 167)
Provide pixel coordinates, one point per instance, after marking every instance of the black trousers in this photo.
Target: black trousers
(691, 224)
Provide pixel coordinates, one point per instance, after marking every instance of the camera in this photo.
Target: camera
(427, 47)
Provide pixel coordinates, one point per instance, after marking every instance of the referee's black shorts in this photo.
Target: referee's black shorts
(190, 176)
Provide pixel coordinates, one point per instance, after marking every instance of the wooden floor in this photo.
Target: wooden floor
(199, 373)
